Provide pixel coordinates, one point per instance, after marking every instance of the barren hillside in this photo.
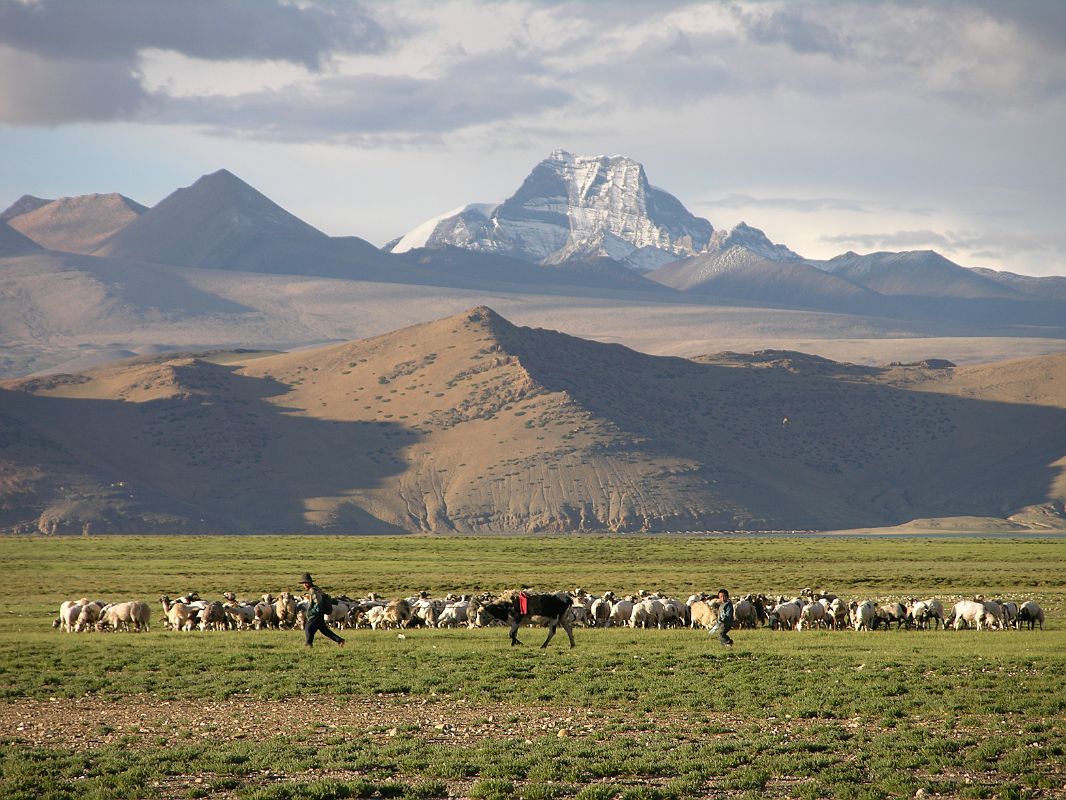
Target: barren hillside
(77, 224)
(471, 423)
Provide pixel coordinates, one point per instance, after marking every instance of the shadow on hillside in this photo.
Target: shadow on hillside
(225, 456)
(854, 451)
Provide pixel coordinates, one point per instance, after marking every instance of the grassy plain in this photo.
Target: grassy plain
(628, 714)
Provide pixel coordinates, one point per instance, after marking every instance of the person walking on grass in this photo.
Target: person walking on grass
(725, 618)
(318, 605)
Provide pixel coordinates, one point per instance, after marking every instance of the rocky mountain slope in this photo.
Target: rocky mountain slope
(471, 423)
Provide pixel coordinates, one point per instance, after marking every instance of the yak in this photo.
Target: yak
(546, 609)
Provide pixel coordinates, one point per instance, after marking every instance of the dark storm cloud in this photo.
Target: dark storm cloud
(53, 92)
(475, 91)
(117, 30)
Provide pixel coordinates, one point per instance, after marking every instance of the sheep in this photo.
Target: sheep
(622, 610)
(69, 612)
(1031, 614)
(264, 614)
(838, 614)
(338, 615)
(864, 615)
(375, 615)
(398, 613)
(89, 615)
(703, 614)
(785, 615)
(969, 612)
(179, 616)
(994, 612)
(745, 613)
(675, 613)
(214, 616)
(241, 614)
(120, 616)
(647, 613)
(285, 610)
(601, 611)
(427, 610)
(895, 612)
(1010, 614)
(926, 611)
(454, 614)
(811, 615)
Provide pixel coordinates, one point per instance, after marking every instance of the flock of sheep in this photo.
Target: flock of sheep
(644, 610)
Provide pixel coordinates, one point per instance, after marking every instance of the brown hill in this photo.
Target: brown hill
(77, 224)
(24, 204)
(473, 424)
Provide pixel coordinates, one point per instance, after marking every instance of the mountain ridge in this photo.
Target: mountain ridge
(471, 423)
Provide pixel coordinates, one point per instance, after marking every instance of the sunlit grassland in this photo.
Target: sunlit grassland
(833, 714)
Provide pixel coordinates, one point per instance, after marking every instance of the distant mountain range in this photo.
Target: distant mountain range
(473, 424)
(577, 226)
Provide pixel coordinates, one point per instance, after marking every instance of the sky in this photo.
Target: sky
(831, 125)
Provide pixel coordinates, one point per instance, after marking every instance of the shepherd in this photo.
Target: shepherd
(552, 610)
(318, 605)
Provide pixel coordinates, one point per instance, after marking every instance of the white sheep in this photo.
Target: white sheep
(811, 616)
(69, 612)
(454, 614)
(786, 615)
(969, 613)
(121, 616)
(621, 611)
(864, 615)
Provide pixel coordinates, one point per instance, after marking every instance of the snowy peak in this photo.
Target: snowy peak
(575, 207)
(753, 240)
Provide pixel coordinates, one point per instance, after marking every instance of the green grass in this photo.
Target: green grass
(783, 714)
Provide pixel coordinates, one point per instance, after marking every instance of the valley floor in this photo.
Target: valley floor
(628, 714)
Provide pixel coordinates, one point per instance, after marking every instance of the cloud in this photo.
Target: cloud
(801, 204)
(894, 239)
(794, 29)
(50, 92)
(341, 108)
(217, 30)
(992, 244)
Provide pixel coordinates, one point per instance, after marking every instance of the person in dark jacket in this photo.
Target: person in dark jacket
(315, 620)
(725, 618)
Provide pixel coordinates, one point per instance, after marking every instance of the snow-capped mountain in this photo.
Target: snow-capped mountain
(574, 207)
